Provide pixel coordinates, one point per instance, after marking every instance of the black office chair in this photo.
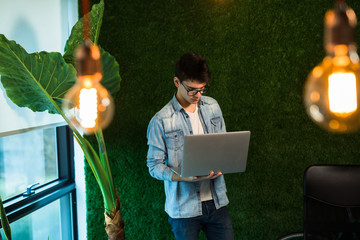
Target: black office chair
(331, 203)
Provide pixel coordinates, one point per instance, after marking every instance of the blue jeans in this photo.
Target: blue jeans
(216, 224)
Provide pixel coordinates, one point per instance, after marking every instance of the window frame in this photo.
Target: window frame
(20, 206)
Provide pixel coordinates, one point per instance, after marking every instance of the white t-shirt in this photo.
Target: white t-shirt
(197, 128)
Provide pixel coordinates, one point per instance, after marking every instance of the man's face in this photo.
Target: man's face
(187, 88)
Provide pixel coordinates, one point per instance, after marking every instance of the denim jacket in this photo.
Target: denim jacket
(165, 136)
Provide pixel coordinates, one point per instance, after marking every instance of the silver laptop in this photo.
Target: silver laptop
(218, 152)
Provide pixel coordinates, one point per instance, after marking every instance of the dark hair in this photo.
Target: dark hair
(192, 66)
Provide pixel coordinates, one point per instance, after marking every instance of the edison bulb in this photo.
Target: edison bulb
(331, 93)
(89, 108)
(88, 105)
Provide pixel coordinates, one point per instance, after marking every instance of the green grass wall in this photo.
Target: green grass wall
(259, 53)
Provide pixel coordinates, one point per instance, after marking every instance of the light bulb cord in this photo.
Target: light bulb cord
(86, 20)
(341, 5)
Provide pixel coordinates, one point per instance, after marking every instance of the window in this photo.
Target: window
(27, 158)
(42, 158)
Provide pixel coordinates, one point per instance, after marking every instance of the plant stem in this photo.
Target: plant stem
(105, 162)
(100, 170)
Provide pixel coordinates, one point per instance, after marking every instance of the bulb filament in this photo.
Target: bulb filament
(88, 107)
(342, 93)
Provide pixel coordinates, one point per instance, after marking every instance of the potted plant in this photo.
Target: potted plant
(40, 80)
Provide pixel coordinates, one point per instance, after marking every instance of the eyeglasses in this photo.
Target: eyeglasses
(192, 91)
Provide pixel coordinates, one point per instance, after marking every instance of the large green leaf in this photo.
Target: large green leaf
(4, 221)
(77, 33)
(38, 80)
(111, 79)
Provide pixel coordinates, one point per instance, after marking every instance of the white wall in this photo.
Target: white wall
(40, 25)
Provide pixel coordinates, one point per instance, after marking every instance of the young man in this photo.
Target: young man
(196, 203)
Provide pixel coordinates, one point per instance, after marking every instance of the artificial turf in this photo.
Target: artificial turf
(259, 53)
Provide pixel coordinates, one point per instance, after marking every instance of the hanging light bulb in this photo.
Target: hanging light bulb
(331, 93)
(88, 104)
